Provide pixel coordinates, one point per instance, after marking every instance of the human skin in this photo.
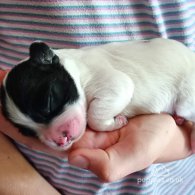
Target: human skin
(145, 140)
(17, 176)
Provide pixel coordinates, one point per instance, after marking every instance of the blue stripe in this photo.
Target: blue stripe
(113, 189)
(10, 56)
(185, 166)
(106, 6)
(62, 185)
(105, 24)
(114, 24)
(13, 50)
(151, 33)
(9, 65)
(99, 15)
(192, 190)
(94, 34)
(70, 16)
(60, 160)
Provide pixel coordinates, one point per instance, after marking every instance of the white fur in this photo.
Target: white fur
(20, 118)
(132, 78)
(16, 115)
(120, 80)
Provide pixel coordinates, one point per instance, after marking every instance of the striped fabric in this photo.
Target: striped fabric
(76, 23)
(159, 179)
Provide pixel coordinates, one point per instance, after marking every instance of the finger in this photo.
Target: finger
(93, 139)
(134, 151)
(193, 139)
(106, 164)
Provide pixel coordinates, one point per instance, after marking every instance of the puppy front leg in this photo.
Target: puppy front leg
(104, 113)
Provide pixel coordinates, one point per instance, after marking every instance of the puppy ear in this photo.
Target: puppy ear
(27, 132)
(3, 101)
(41, 53)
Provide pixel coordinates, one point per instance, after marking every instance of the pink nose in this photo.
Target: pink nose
(60, 143)
(63, 139)
(63, 133)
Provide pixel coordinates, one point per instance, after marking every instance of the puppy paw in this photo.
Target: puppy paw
(107, 125)
(178, 119)
(120, 121)
(193, 139)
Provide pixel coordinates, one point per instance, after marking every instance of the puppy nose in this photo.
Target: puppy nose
(64, 134)
(60, 143)
(63, 139)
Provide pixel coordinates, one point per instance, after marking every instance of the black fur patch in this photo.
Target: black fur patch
(3, 102)
(40, 88)
(26, 131)
(22, 129)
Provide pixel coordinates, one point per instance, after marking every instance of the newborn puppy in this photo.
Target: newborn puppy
(54, 93)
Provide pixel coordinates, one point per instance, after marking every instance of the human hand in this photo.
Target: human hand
(145, 140)
(112, 155)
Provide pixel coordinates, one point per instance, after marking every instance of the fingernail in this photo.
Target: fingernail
(79, 161)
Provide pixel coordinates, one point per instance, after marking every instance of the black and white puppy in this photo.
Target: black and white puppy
(55, 93)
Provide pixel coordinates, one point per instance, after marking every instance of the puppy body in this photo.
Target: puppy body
(113, 82)
(134, 78)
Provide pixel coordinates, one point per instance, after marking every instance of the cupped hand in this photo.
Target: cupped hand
(145, 140)
(112, 155)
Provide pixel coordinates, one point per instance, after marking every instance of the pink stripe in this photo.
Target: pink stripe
(51, 172)
(70, 45)
(52, 42)
(39, 35)
(70, 183)
(45, 35)
(70, 1)
(4, 67)
(16, 48)
(56, 165)
(9, 60)
(12, 53)
(116, 27)
(63, 45)
(81, 9)
(88, 179)
(61, 185)
(78, 19)
(60, 29)
(45, 159)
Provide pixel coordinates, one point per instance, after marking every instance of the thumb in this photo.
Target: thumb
(95, 160)
(111, 164)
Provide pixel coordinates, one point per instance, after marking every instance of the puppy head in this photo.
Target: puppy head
(41, 98)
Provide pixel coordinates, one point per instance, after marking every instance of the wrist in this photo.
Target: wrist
(179, 146)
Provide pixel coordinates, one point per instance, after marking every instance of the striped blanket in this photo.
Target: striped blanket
(77, 23)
